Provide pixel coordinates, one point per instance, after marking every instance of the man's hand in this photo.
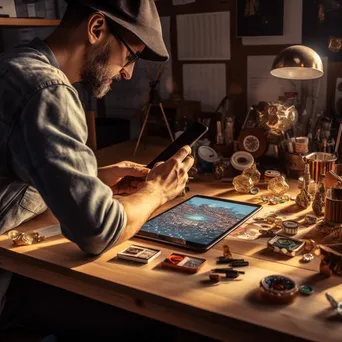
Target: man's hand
(112, 175)
(171, 176)
(163, 183)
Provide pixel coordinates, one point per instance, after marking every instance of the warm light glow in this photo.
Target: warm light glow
(298, 62)
(297, 73)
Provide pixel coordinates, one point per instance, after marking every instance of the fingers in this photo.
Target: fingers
(157, 164)
(188, 162)
(127, 168)
(182, 153)
(123, 190)
(129, 164)
(134, 171)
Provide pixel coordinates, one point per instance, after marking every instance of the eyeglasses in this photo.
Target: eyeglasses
(133, 57)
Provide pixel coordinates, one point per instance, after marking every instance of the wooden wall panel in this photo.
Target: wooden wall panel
(237, 66)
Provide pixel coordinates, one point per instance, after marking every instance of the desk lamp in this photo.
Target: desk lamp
(297, 62)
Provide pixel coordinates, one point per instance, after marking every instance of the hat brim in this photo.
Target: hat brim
(155, 49)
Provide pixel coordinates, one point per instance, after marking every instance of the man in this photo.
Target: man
(44, 158)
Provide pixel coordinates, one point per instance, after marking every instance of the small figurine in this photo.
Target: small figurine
(318, 203)
(304, 198)
(226, 252)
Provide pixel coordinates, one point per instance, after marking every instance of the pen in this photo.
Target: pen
(228, 261)
(227, 270)
(230, 273)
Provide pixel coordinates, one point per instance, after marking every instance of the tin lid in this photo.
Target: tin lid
(321, 156)
(290, 224)
(272, 173)
(207, 154)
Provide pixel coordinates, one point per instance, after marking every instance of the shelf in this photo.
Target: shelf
(28, 22)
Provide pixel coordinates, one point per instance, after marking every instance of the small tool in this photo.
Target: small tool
(228, 260)
(239, 263)
(226, 270)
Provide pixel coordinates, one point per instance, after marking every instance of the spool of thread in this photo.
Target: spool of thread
(302, 145)
(241, 160)
(270, 174)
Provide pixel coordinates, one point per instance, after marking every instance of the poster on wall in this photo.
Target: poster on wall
(322, 29)
(293, 13)
(260, 18)
(7, 9)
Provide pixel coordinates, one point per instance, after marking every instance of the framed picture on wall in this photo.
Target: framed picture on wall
(260, 18)
(7, 8)
(322, 29)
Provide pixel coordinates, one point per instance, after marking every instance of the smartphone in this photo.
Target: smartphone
(189, 137)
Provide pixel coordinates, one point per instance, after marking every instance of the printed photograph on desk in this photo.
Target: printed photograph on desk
(139, 254)
(183, 263)
(247, 232)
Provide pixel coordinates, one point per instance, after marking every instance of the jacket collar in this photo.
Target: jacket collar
(39, 45)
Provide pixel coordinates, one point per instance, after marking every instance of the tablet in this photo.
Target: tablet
(198, 223)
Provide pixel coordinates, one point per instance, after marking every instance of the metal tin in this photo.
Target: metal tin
(290, 227)
(270, 174)
(286, 245)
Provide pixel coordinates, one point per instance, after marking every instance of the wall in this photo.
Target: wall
(236, 68)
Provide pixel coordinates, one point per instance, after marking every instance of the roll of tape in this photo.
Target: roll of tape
(241, 160)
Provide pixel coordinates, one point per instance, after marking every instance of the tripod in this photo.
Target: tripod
(154, 100)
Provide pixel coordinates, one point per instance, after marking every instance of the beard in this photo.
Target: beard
(95, 72)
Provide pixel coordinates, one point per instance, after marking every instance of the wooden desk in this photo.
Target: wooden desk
(227, 311)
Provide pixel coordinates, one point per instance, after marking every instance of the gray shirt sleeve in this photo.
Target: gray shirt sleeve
(48, 150)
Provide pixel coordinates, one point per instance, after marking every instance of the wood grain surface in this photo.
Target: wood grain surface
(230, 310)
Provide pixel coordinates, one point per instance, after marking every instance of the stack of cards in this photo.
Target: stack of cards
(183, 263)
(139, 254)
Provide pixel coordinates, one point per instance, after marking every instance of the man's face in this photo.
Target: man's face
(105, 63)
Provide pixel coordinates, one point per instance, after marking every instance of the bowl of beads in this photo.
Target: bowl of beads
(278, 289)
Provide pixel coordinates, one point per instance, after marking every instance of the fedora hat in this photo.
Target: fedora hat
(137, 16)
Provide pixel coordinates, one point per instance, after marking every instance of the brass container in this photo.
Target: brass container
(333, 207)
(320, 163)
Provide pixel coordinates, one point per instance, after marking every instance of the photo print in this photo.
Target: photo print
(260, 18)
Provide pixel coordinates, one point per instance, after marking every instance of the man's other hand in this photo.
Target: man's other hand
(171, 176)
(113, 175)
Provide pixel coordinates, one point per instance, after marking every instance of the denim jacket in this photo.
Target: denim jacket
(44, 160)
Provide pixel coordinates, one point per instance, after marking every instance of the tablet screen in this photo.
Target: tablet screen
(198, 222)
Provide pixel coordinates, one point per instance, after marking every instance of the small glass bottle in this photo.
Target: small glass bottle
(243, 184)
(278, 186)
